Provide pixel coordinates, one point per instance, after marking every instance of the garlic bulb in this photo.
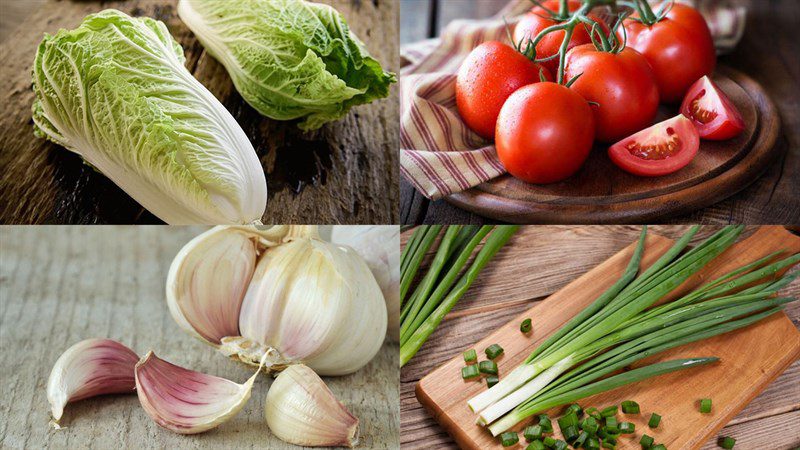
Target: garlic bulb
(185, 401)
(89, 368)
(281, 292)
(379, 245)
(301, 410)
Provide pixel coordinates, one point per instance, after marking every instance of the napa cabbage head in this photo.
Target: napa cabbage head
(115, 91)
(289, 59)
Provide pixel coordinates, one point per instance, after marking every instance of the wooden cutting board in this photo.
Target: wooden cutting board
(602, 193)
(750, 358)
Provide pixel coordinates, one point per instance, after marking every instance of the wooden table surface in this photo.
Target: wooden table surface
(337, 174)
(768, 52)
(59, 285)
(768, 422)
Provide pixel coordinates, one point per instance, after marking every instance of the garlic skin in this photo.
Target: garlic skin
(379, 245)
(185, 401)
(304, 301)
(89, 368)
(301, 410)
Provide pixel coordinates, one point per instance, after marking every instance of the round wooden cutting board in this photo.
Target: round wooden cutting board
(602, 193)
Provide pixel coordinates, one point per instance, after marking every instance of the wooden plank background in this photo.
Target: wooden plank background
(337, 174)
(553, 256)
(768, 53)
(59, 285)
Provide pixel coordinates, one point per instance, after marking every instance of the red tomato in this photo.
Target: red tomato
(711, 111)
(621, 83)
(491, 72)
(679, 48)
(659, 150)
(537, 20)
(544, 133)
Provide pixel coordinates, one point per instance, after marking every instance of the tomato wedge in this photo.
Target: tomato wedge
(711, 111)
(664, 148)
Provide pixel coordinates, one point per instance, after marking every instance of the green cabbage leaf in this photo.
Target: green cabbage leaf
(115, 91)
(289, 59)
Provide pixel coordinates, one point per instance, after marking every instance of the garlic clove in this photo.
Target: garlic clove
(301, 410)
(207, 282)
(89, 368)
(185, 401)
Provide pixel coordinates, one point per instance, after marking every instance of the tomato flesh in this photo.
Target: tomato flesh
(544, 133)
(664, 148)
(489, 74)
(712, 112)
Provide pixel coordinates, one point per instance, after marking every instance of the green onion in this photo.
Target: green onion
(491, 380)
(646, 441)
(570, 433)
(592, 444)
(493, 351)
(612, 425)
(727, 442)
(590, 425)
(627, 428)
(418, 328)
(488, 367)
(609, 445)
(705, 405)
(581, 440)
(535, 445)
(568, 420)
(630, 407)
(560, 445)
(545, 423)
(469, 372)
(549, 442)
(659, 447)
(525, 326)
(427, 235)
(576, 408)
(593, 412)
(509, 438)
(533, 432)
(655, 419)
(470, 356)
(609, 411)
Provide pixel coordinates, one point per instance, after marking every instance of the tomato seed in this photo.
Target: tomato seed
(699, 114)
(655, 152)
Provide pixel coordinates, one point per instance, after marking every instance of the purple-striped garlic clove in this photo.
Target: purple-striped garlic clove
(185, 401)
(301, 410)
(89, 368)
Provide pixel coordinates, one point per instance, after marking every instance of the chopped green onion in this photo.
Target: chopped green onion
(525, 326)
(470, 356)
(655, 419)
(533, 432)
(609, 445)
(535, 445)
(567, 420)
(592, 444)
(581, 440)
(469, 372)
(612, 425)
(570, 433)
(491, 380)
(592, 411)
(630, 407)
(609, 437)
(627, 428)
(509, 438)
(590, 425)
(610, 411)
(576, 408)
(549, 442)
(493, 351)
(544, 421)
(659, 447)
(488, 367)
(705, 405)
(727, 442)
(646, 441)
(560, 445)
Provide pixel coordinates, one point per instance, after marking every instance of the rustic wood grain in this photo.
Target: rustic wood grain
(771, 61)
(465, 325)
(337, 174)
(59, 285)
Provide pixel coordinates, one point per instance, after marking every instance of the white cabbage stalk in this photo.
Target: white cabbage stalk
(379, 245)
(115, 92)
(280, 293)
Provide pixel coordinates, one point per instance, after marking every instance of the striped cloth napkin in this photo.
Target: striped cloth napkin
(439, 155)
